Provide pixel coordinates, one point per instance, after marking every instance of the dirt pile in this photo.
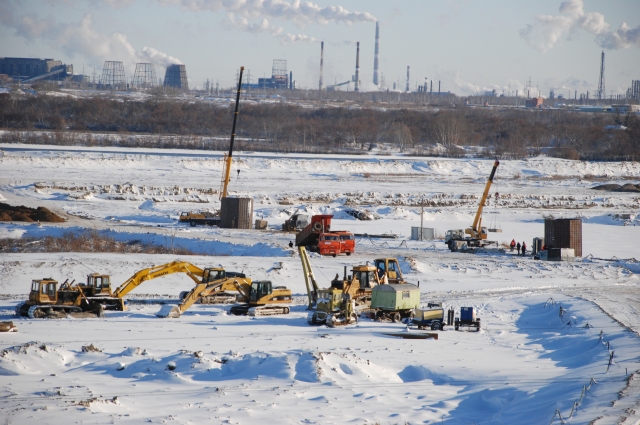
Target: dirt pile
(22, 213)
(629, 187)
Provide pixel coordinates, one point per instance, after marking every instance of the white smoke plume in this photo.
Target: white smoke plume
(240, 13)
(80, 38)
(546, 30)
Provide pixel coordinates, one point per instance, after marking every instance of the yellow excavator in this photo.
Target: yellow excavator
(476, 235)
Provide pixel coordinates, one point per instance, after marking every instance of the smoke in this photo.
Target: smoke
(80, 38)
(546, 30)
(240, 14)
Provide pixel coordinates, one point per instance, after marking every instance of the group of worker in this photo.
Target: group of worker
(521, 248)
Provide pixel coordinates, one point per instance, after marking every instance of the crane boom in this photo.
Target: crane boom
(309, 278)
(476, 221)
(228, 157)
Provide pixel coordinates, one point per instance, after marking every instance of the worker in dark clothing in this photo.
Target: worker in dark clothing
(524, 248)
(518, 246)
(513, 244)
(290, 244)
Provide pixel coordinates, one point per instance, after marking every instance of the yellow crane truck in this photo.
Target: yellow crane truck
(476, 235)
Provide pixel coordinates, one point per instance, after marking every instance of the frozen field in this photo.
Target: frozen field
(528, 364)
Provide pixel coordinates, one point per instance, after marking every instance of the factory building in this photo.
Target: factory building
(32, 69)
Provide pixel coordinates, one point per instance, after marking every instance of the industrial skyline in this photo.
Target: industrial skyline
(470, 48)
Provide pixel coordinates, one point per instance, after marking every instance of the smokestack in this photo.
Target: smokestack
(407, 79)
(375, 56)
(321, 64)
(357, 66)
(290, 80)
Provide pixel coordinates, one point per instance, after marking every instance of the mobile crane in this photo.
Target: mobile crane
(476, 235)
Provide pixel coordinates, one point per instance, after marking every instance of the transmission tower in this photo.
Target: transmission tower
(145, 75)
(113, 76)
(601, 91)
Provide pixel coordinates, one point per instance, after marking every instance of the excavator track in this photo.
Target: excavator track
(265, 310)
(19, 308)
(40, 311)
(334, 321)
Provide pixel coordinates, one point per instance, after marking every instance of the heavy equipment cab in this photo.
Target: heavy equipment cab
(210, 275)
(389, 268)
(259, 290)
(44, 291)
(97, 285)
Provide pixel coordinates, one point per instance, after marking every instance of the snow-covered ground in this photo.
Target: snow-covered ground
(528, 364)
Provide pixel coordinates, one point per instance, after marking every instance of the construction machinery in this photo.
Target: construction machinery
(388, 270)
(319, 237)
(257, 298)
(344, 299)
(228, 158)
(295, 222)
(476, 235)
(203, 218)
(47, 300)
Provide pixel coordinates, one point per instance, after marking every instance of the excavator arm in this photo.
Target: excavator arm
(309, 278)
(134, 281)
(478, 219)
(203, 290)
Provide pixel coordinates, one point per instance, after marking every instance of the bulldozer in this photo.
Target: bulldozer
(46, 300)
(257, 298)
(341, 303)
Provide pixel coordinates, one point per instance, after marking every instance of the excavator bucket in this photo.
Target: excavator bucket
(170, 311)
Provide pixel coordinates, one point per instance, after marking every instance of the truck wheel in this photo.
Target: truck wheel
(193, 223)
(348, 253)
(435, 326)
(396, 317)
(334, 255)
(379, 315)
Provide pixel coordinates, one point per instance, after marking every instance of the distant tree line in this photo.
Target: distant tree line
(284, 127)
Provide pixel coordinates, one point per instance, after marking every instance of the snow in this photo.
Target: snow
(527, 363)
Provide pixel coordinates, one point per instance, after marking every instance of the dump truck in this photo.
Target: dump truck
(476, 235)
(203, 218)
(395, 301)
(318, 237)
(46, 300)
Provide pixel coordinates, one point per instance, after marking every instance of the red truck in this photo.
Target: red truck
(319, 237)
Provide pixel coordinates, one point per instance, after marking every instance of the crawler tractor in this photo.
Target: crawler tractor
(47, 300)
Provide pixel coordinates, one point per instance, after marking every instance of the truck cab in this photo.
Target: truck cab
(347, 242)
(329, 244)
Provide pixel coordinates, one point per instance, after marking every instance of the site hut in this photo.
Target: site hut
(395, 300)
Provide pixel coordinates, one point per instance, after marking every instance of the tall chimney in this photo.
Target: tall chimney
(321, 64)
(375, 56)
(290, 80)
(407, 79)
(357, 88)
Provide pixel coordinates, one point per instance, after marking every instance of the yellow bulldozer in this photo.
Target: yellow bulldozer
(47, 300)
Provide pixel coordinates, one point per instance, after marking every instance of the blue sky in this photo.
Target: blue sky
(471, 46)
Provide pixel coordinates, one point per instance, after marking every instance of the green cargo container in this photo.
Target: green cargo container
(395, 297)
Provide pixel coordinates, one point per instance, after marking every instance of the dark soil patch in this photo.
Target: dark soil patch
(22, 213)
(612, 187)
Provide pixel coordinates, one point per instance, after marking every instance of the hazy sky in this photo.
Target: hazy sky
(470, 45)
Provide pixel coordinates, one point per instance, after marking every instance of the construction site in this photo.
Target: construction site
(301, 281)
